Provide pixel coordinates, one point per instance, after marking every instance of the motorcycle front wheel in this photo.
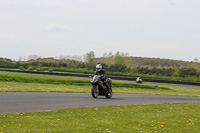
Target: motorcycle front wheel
(95, 91)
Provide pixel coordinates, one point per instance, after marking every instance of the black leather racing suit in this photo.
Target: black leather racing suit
(102, 72)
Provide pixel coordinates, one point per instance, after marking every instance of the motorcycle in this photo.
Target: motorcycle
(100, 88)
(139, 80)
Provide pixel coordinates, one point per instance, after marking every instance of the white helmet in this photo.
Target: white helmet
(98, 67)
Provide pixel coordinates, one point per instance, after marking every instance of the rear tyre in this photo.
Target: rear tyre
(109, 94)
(95, 91)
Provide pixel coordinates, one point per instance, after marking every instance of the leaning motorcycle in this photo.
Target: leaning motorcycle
(100, 88)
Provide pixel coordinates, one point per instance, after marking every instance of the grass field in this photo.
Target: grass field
(155, 118)
(20, 82)
(64, 80)
(38, 87)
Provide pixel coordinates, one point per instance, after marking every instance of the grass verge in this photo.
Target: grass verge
(19, 82)
(165, 118)
(62, 80)
(37, 87)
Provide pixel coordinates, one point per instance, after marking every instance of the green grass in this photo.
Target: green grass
(37, 78)
(154, 118)
(37, 87)
(20, 82)
(62, 80)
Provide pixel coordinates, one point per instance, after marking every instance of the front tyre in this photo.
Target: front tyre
(109, 94)
(95, 91)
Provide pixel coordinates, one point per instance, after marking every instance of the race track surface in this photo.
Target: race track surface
(15, 102)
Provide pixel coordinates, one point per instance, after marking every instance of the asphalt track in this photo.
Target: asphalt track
(15, 102)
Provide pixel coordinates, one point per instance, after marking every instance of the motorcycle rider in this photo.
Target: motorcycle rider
(102, 73)
(138, 80)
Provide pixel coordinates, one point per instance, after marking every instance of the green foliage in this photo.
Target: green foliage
(73, 64)
(118, 59)
(38, 69)
(8, 63)
(117, 68)
(50, 70)
(41, 69)
(89, 59)
(21, 68)
(30, 68)
(183, 72)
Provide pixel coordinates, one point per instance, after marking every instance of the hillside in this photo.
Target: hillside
(150, 62)
(108, 61)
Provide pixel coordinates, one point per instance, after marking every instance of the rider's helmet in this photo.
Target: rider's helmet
(98, 67)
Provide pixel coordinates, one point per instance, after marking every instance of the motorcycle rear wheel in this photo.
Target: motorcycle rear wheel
(95, 91)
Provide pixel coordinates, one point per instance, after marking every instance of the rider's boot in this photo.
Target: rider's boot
(108, 86)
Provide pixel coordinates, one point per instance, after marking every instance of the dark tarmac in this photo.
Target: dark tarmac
(15, 102)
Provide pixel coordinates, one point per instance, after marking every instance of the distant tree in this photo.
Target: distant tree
(187, 72)
(72, 64)
(169, 72)
(153, 71)
(198, 73)
(8, 63)
(143, 70)
(196, 60)
(119, 58)
(90, 59)
(105, 67)
(176, 73)
(18, 64)
(117, 68)
(32, 57)
(108, 55)
(104, 55)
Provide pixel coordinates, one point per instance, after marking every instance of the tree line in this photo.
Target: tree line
(119, 62)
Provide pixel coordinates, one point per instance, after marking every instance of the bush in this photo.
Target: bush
(21, 68)
(30, 68)
(50, 70)
(38, 69)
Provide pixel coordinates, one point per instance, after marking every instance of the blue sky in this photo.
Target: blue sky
(145, 28)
